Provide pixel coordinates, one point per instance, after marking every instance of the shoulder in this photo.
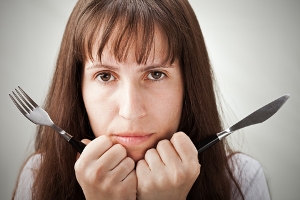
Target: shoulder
(249, 174)
(34, 161)
(26, 178)
(244, 165)
(31, 165)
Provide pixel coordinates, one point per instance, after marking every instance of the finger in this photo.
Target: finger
(85, 141)
(167, 152)
(153, 160)
(96, 148)
(130, 178)
(112, 157)
(130, 181)
(142, 169)
(184, 147)
(123, 169)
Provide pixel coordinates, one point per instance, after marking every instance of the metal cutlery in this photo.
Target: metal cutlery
(39, 116)
(256, 117)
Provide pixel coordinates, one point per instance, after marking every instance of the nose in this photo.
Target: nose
(131, 102)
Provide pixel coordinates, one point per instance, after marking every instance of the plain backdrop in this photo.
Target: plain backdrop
(254, 48)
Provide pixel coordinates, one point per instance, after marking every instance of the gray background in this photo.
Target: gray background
(254, 48)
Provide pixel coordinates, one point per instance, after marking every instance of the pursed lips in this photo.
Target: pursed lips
(129, 139)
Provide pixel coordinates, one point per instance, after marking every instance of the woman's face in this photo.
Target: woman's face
(136, 105)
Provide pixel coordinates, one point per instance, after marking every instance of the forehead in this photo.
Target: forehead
(132, 49)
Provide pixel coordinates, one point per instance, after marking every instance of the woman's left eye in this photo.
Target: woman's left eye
(156, 75)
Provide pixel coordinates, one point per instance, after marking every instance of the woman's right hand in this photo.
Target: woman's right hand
(104, 171)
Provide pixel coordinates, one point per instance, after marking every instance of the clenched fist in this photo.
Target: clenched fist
(169, 171)
(104, 171)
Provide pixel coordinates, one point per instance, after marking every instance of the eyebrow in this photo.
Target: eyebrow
(102, 66)
(144, 69)
(151, 67)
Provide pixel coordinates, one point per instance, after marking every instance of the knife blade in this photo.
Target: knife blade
(256, 117)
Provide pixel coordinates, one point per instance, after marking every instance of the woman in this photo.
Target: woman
(135, 75)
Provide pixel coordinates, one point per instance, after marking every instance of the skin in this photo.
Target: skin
(134, 111)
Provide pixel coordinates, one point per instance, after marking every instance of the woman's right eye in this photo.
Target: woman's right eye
(105, 77)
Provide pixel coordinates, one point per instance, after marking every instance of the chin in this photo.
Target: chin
(136, 156)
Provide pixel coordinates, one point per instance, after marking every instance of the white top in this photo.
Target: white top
(247, 171)
(26, 179)
(250, 176)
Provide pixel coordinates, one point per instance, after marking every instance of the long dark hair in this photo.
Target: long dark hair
(134, 20)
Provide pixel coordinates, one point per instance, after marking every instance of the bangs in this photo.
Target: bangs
(125, 26)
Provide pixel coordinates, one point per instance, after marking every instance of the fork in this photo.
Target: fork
(39, 116)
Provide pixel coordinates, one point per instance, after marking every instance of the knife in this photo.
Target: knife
(256, 117)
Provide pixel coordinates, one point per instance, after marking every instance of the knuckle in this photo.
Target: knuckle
(104, 139)
(119, 147)
(80, 165)
(161, 182)
(194, 171)
(91, 177)
(162, 143)
(88, 174)
(145, 186)
(179, 135)
(129, 162)
(179, 177)
(120, 150)
(198, 169)
(149, 153)
(140, 163)
(88, 177)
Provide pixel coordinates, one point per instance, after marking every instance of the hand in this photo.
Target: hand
(104, 171)
(169, 171)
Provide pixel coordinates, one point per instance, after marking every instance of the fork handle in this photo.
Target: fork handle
(79, 146)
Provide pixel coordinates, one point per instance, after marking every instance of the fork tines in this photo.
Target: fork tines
(26, 105)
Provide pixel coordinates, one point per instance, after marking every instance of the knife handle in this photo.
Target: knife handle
(208, 142)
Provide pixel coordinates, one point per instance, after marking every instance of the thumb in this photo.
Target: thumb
(86, 142)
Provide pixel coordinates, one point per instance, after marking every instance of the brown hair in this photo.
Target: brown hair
(134, 20)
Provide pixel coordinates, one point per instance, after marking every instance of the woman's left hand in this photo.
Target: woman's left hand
(169, 171)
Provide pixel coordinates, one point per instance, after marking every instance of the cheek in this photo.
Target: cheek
(98, 114)
(168, 111)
